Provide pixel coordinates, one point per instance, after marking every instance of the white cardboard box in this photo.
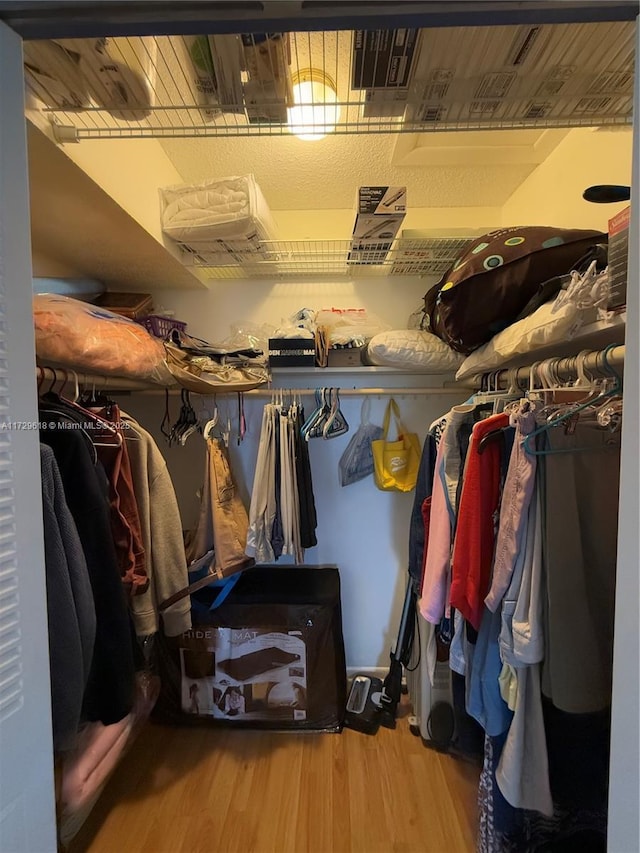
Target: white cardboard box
(380, 213)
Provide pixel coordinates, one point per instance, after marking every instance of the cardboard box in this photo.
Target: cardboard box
(382, 201)
(292, 352)
(385, 103)
(382, 59)
(380, 213)
(618, 258)
(131, 305)
(345, 357)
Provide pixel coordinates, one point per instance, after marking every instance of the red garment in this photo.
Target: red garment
(475, 531)
(426, 519)
(125, 519)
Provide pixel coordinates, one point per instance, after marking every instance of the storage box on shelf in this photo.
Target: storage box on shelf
(618, 259)
(131, 305)
(345, 356)
(292, 352)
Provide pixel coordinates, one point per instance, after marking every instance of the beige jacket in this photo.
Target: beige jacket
(162, 537)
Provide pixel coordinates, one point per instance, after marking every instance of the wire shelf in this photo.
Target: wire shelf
(385, 81)
(326, 258)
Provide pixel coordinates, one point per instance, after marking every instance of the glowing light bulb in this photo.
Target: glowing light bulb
(316, 111)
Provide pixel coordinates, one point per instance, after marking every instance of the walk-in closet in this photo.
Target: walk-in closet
(319, 385)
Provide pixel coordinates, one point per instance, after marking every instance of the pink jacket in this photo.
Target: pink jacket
(435, 582)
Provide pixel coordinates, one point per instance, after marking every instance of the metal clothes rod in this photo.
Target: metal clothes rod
(359, 392)
(61, 377)
(267, 393)
(566, 368)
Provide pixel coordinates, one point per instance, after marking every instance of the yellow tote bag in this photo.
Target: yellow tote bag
(396, 462)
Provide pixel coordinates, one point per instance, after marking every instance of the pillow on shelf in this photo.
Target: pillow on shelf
(540, 329)
(411, 349)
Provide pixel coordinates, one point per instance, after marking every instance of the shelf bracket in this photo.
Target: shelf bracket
(63, 133)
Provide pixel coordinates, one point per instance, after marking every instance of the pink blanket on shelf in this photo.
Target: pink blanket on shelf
(86, 337)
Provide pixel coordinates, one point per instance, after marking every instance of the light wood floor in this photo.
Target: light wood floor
(218, 791)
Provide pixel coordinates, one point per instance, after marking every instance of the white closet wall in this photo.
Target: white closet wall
(362, 530)
(552, 194)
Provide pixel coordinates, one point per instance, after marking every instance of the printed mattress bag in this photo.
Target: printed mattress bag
(271, 656)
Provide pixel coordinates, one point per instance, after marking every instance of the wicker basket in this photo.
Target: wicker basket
(159, 326)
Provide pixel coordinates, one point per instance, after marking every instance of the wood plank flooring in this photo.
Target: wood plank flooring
(218, 791)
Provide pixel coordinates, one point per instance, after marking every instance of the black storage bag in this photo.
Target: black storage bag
(270, 657)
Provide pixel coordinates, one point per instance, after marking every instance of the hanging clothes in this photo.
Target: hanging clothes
(70, 607)
(125, 518)
(581, 530)
(282, 514)
(518, 489)
(454, 429)
(100, 429)
(162, 538)
(109, 693)
(222, 523)
(475, 533)
(520, 546)
(308, 515)
(262, 511)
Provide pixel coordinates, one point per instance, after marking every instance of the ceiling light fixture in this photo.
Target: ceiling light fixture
(316, 111)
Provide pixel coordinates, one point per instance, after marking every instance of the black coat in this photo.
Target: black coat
(110, 691)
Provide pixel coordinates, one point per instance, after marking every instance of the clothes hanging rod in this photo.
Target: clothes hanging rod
(61, 377)
(358, 392)
(565, 367)
(344, 392)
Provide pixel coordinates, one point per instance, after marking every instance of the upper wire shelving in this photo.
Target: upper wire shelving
(385, 81)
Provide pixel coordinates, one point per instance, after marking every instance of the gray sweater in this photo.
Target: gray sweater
(161, 535)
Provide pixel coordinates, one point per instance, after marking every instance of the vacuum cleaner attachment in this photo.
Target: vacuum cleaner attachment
(363, 709)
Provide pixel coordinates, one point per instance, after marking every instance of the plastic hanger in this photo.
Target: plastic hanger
(573, 411)
(242, 424)
(323, 414)
(336, 424)
(60, 406)
(187, 419)
(510, 395)
(210, 424)
(165, 424)
(313, 421)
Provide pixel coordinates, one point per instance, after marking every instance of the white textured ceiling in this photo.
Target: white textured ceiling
(325, 174)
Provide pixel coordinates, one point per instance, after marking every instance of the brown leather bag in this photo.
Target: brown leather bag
(490, 284)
